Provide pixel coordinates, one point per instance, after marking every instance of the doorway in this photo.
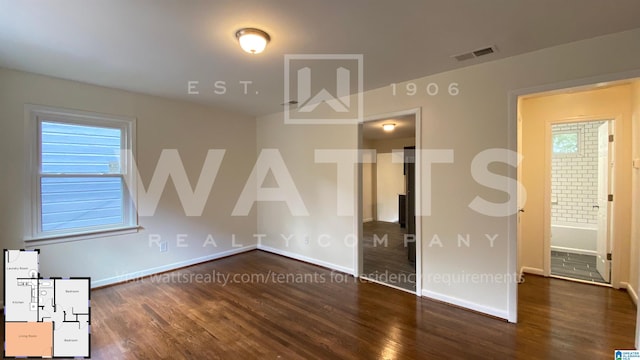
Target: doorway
(580, 214)
(612, 99)
(560, 131)
(389, 245)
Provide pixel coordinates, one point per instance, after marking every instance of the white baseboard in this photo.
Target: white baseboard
(307, 259)
(367, 220)
(503, 314)
(168, 267)
(632, 292)
(531, 270)
(574, 251)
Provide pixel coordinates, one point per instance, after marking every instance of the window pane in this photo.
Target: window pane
(565, 143)
(80, 149)
(69, 203)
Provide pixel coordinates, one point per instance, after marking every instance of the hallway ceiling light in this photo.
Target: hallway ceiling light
(252, 40)
(388, 127)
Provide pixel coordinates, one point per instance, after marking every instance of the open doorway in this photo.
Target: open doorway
(611, 105)
(388, 212)
(577, 221)
(581, 167)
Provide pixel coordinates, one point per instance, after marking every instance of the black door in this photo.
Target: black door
(410, 202)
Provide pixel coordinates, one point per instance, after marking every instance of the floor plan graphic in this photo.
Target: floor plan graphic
(44, 317)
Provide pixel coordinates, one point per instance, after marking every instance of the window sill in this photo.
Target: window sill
(63, 238)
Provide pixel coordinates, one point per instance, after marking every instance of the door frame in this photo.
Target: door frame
(512, 143)
(548, 154)
(358, 251)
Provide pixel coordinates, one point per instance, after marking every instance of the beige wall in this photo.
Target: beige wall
(634, 276)
(476, 119)
(388, 145)
(320, 237)
(537, 114)
(368, 196)
(161, 124)
(369, 169)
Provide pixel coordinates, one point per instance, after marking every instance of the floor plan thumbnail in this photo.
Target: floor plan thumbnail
(44, 317)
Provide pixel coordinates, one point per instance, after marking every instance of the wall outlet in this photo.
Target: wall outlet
(164, 246)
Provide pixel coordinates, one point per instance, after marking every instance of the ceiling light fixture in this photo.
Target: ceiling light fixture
(388, 127)
(252, 40)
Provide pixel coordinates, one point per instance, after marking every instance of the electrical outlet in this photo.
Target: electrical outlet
(164, 246)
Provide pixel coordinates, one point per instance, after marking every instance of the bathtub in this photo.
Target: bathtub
(577, 238)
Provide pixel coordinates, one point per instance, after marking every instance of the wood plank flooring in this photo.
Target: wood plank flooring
(313, 314)
(387, 262)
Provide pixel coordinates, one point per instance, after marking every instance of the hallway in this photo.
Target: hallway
(387, 262)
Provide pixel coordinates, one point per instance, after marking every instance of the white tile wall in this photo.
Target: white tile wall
(574, 177)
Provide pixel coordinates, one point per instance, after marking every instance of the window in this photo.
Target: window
(566, 143)
(78, 169)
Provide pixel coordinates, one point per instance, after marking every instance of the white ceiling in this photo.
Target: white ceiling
(405, 128)
(156, 46)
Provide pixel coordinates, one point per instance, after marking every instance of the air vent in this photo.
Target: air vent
(475, 53)
(482, 52)
(464, 57)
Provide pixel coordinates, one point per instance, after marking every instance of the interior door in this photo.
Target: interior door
(519, 238)
(410, 202)
(603, 264)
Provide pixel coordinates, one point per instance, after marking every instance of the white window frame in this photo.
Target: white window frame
(34, 116)
(579, 135)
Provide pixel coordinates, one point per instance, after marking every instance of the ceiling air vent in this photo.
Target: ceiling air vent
(482, 52)
(476, 53)
(464, 57)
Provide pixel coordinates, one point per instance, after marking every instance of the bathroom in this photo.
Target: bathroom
(46, 293)
(579, 180)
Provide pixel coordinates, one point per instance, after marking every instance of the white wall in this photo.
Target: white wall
(370, 174)
(478, 118)
(161, 124)
(389, 184)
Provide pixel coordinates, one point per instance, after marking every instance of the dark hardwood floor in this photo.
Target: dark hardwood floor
(387, 262)
(313, 314)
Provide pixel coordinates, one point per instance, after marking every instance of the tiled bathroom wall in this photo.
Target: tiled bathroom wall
(574, 176)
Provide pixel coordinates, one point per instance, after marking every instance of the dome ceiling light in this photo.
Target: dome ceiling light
(252, 40)
(388, 127)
